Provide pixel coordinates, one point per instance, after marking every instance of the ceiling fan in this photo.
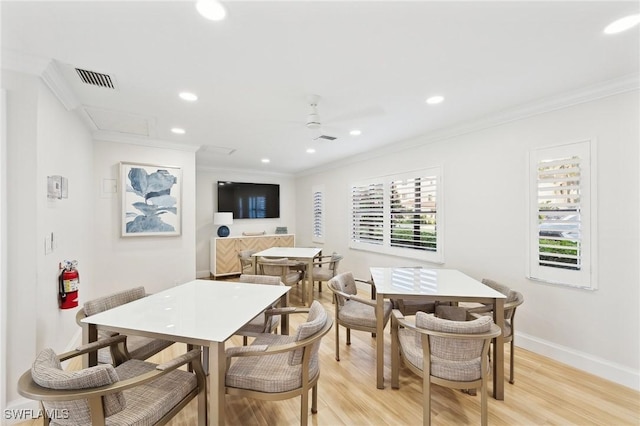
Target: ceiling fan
(313, 120)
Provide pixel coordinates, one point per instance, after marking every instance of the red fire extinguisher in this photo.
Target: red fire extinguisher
(68, 285)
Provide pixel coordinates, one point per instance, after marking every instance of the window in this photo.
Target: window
(561, 228)
(318, 214)
(399, 215)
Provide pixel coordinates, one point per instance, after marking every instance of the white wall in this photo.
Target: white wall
(42, 138)
(154, 262)
(206, 194)
(485, 190)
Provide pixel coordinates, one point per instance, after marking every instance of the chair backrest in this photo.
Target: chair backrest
(246, 263)
(260, 279)
(105, 303)
(47, 372)
(316, 320)
(345, 283)
(335, 261)
(512, 296)
(276, 267)
(450, 348)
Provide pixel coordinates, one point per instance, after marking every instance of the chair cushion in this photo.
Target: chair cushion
(147, 403)
(322, 274)
(316, 319)
(48, 373)
(268, 373)
(359, 314)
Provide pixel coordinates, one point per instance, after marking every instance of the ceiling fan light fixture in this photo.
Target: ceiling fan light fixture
(211, 9)
(188, 96)
(622, 24)
(433, 100)
(313, 121)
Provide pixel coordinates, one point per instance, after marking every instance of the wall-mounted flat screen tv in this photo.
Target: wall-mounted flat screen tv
(249, 200)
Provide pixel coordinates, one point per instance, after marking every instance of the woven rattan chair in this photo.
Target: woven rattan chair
(514, 299)
(454, 353)
(353, 311)
(137, 347)
(263, 323)
(276, 367)
(132, 393)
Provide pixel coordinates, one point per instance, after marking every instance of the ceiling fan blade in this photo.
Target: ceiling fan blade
(372, 111)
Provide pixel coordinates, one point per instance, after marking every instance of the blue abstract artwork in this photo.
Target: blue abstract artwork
(151, 200)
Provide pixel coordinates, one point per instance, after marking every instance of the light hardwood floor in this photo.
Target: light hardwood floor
(545, 393)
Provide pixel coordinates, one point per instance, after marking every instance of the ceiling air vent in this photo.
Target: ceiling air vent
(95, 78)
(326, 138)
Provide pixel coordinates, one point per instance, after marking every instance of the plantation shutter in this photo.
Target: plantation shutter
(559, 236)
(367, 215)
(413, 213)
(318, 214)
(562, 219)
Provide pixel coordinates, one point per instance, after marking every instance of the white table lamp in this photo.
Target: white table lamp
(223, 219)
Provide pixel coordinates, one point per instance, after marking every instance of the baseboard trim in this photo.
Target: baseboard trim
(203, 274)
(600, 367)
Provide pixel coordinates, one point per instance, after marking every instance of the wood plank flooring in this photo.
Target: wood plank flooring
(545, 392)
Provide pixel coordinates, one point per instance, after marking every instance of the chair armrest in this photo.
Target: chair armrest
(30, 389)
(287, 347)
(286, 310)
(93, 346)
(362, 300)
(370, 282)
(192, 355)
(80, 315)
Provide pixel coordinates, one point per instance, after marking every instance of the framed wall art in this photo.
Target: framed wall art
(151, 200)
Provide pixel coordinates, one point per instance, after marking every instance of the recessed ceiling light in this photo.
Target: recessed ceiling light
(211, 9)
(178, 131)
(355, 132)
(188, 96)
(265, 160)
(435, 100)
(310, 150)
(622, 24)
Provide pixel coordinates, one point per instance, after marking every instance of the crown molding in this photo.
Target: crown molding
(213, 169)
(627, 83)
(29, 64)
(101, 135)
(54, 79)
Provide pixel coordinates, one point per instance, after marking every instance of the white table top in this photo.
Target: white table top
(202, 310)
(435, 282)
(297, 252)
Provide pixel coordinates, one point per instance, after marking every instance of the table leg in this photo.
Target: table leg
(217, 366)
(380, 342)
(310, 282)
(498, 352)
(89, 334)
(284, 324)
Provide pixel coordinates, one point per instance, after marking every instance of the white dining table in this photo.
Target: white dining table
(303, 254)
(442, 285)
(201, 313)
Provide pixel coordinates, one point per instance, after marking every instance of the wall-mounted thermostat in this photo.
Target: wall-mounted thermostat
(57, 187)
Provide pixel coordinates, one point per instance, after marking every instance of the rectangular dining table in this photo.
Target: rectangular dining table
(201, 313)
(303, 254)
(442, 285)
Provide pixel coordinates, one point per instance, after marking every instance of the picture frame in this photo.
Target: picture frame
(151, 200)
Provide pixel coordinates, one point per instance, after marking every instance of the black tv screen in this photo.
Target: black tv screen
(249, 200)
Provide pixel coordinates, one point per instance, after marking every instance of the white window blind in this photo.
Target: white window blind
(562, 219)
(367, 213)
(413, 213)
(318, 214)
(399, 215)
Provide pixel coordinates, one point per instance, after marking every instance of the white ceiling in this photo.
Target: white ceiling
(373, 64)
